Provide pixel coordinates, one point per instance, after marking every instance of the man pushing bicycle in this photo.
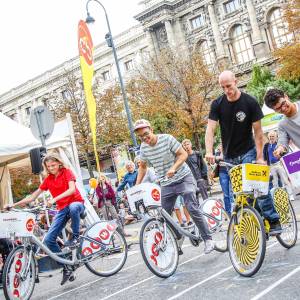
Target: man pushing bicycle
(166, 155)
(238, 114)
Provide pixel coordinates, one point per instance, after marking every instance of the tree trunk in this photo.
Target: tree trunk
(197, 140)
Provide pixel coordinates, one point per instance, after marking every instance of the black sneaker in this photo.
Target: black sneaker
(182, 225)
(275, 228)
(67, 275)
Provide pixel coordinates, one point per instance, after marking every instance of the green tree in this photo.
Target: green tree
(262, 79)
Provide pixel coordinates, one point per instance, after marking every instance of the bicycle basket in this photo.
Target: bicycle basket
(249, 178)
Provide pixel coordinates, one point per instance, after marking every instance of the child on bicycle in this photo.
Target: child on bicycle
(60, 181)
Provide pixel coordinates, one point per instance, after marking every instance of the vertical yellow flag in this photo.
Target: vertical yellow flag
(86, 49)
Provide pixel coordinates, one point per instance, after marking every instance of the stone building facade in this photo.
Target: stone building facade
(233, 33)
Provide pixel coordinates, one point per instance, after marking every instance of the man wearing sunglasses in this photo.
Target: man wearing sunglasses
(289, 127)
(166, 155)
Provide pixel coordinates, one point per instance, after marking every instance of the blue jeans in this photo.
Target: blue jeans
(265, 203)
(72, 211)
(226, 188)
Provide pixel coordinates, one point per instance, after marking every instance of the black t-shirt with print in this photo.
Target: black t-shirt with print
(235, 119)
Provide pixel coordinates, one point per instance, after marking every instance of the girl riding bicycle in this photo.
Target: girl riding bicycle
(60, 181)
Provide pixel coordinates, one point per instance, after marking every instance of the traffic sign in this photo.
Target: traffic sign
(42, 123)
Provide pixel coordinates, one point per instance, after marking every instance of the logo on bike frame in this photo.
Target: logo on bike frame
(30, 224)
(155, 194)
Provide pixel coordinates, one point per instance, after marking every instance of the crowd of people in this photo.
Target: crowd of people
(181, 171)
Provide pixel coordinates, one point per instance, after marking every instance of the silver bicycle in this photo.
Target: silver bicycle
(102, 249)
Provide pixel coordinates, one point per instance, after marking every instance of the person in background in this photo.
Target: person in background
(60, 181)
(106, 198)
(198, 167)
(276, 169)
(150, 173)
(130, 177)
(180, 202)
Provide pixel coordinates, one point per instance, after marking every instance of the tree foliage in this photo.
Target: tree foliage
(23, 182)
(262, 79)
(289, 55)
(174, 92)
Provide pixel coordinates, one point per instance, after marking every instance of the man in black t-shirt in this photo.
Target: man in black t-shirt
(238, 114)
(198, 167)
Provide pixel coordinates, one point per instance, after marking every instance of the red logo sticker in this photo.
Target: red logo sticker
(86, 251)
(18, 266)
(16, 281)
(16, 294)
(155, 194)
(94, 245)
(111, 227)
(30, 224)
(104, 234)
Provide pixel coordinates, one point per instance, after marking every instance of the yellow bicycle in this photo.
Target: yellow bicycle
(248, 230)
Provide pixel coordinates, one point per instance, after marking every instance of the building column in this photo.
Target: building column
(180, 38)
(151, 42)
(170, 33)
(221, 54)
(259, 45)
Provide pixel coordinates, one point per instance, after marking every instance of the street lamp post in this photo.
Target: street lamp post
(110, 42)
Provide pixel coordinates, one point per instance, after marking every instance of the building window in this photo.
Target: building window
(207, 53)
(279, 29)
(28, 110)
(66, 94)
(128, 65)
(106, 75)
(231, 6)
(241, 44)
(197, 22)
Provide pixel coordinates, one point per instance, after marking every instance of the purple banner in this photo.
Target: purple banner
(292, 162)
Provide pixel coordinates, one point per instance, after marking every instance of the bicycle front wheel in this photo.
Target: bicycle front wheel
(284, 208)
(159, 248)
(109, 260)
(247, 241)
(19, 274)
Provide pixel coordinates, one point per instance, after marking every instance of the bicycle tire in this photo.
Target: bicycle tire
(120, 265)
(152, 261)
(10, 276)
(288, 220)
(247, 260)
(225, 222)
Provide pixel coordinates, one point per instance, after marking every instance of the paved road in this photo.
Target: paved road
(198, 276)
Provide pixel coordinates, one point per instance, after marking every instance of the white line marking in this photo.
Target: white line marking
(275, 284)
(144, 280)
(199, 283)
(207, 279)
(89, 283)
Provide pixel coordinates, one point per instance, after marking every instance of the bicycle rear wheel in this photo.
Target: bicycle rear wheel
(247, 241)
(19, 274)
(159, 248)
(109, 260)
(284, 208)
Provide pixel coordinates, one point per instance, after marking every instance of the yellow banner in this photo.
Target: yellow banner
(257, 172)
(86, 49)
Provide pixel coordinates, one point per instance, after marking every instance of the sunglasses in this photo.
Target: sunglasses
(144, 135)
(279, 108)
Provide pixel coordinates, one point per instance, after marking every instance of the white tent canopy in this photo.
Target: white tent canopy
(17, 140)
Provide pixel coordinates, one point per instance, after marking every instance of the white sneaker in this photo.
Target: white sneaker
(209, 246)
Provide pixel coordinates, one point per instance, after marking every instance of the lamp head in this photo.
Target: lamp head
(89, 19)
